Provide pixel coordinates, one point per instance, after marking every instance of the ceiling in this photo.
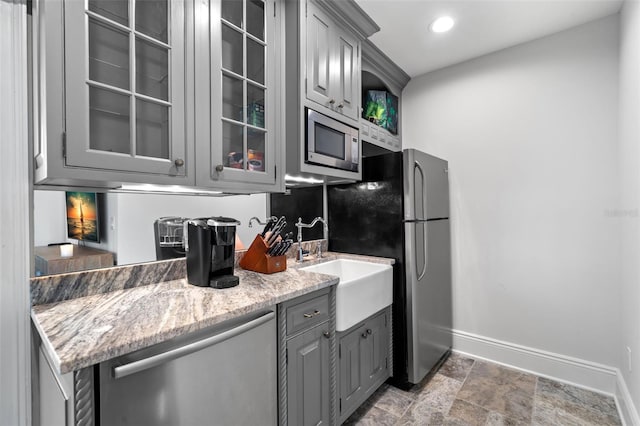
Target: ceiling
(482, 26)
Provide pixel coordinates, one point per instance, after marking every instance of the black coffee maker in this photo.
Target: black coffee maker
(210, 246)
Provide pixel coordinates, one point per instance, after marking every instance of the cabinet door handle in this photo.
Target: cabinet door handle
(365, 335)
(179, 162)
(341, 105)
(369, 331)
(311, 315)
(219, 168)
(332, 101)
(326, 334)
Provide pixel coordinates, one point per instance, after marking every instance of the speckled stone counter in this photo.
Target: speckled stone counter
(112, 313)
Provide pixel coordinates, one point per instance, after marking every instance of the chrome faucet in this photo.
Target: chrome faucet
(269, 219)
(301, 225)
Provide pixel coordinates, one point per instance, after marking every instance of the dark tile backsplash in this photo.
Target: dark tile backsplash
(301, 202)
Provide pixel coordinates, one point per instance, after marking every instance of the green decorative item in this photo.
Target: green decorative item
(381, 108)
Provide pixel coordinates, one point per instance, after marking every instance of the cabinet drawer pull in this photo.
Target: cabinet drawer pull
(311, 315)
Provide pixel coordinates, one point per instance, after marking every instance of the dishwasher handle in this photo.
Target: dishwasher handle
(161, 358)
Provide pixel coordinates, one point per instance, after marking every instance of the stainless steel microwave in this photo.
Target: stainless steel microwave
(331, 143)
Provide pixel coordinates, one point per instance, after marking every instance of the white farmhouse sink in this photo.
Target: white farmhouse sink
(363, 290)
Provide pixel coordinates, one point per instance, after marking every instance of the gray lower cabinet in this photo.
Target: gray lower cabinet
(363, 358)
(61, 399)
(308, 378)
(307, 360)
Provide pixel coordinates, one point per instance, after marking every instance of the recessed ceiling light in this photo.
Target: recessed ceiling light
(442, 24)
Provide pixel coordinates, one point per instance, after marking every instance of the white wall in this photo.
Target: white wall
(130, 233)
(629, 160)
(49, 218)
(530, 134)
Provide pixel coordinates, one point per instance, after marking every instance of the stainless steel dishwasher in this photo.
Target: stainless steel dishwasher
(224, 375)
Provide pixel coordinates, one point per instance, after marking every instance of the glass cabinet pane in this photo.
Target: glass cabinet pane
(151, 19)
(152, 129)
(255, 61)
(243, 58)
(232, 11)
(255, 18)
(133, 48)
(117, 11)
(109, 115)
(152, 70)
(232, 50)
(108, 55)
(232, 145)
(255, 150)
(232, 105)
(255, 106)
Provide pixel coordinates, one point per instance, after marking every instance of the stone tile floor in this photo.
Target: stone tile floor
(465, 391)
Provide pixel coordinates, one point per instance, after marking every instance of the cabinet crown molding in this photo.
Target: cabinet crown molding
(373, 59)
(350, 14)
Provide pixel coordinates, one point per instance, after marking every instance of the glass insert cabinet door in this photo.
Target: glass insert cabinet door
(242, 104)
(125, 85)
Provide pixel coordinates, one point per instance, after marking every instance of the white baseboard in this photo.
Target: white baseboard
(578, 372)
(626, 407)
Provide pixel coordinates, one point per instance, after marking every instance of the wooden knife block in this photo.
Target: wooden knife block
(256, 258)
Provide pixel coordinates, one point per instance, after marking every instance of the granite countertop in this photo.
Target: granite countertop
(79, 331)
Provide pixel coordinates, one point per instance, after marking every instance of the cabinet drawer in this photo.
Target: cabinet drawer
(307, 314)
(364, 128)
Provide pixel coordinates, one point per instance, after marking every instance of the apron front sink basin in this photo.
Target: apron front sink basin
(364, 289)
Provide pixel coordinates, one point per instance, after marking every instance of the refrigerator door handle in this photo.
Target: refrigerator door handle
(423, 200)
(426, 255)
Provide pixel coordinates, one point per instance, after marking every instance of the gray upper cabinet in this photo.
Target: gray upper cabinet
(323, 74)
(238, 76)
(109, 92)
(125, 85)
(158, 91)
(332, 64)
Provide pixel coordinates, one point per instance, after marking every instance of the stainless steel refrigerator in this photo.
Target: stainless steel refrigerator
(401, 210)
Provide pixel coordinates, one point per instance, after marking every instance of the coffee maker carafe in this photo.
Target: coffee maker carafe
(210, 246)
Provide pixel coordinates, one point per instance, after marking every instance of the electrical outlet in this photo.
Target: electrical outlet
(629, 358)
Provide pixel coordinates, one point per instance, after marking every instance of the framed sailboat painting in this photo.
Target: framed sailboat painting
(82, 216)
